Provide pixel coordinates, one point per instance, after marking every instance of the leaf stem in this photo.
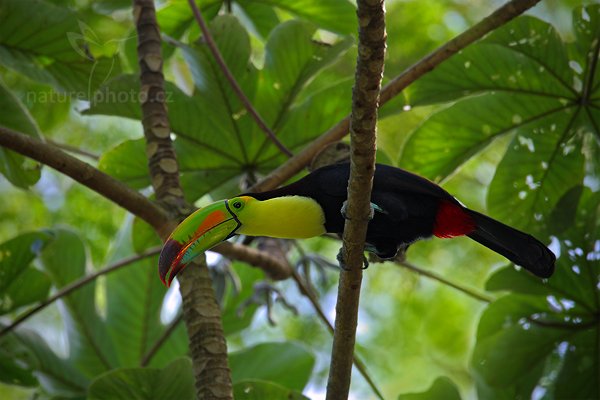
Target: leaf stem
(78, 284)
(161, 340)
(233, 82)
(436, 277)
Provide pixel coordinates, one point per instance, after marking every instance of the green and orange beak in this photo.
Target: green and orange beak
(199, 232)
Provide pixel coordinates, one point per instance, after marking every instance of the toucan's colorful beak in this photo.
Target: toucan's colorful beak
(197, 233)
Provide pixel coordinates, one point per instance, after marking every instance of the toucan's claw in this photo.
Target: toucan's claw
(342, 263)
(374, 207)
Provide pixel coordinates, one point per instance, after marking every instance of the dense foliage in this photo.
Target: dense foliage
(510, 125)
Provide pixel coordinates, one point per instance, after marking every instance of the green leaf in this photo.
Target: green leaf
(49, 45)
(563, 215)
(21, 284)
(441, 389)
(574, 282)
(334, 15)
(510, 343)
(175, 381)
(56, 375)
(133, 314)
(128, 163)
(260, 390)
(525, 56)
(547, 333)
(262, 17)
(450, 137)
(90, 347)
(13, 373)
(539, 167)
(287, 364)
(235, 318)
(579, 374)
(143, 236)
(216, 140)
(20, 171)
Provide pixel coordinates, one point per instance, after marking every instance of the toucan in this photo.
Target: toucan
(405, 208)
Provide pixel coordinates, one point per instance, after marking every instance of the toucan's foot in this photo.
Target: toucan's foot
(342, 263)
(374, 207)
(264, 293)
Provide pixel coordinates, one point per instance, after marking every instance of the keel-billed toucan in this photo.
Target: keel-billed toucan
(406, 207)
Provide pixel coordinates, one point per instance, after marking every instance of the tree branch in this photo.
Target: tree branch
(365, 100)
(498, 18)
(78, 284)
(88, 176)
(74, 150)
(358, 363)
(274, 267)
(436, 277)
(161, 340)
(233, 82)
(201, 311)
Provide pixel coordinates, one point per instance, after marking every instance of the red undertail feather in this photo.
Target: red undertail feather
(451, 220)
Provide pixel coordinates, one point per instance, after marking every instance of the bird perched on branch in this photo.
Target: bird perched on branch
(405, 206)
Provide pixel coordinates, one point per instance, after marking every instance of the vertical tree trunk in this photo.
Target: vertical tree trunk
(201, 312)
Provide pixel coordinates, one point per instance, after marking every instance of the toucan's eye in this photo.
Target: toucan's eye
(237, 204)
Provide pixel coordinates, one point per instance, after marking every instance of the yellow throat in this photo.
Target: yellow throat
(288, 217)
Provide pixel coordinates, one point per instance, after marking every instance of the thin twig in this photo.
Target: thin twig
(436, 277)
(161, 340)
(233, 82)
(74, 150)
(498, 18)
(358, 363)
(365, 101)
(78, 284)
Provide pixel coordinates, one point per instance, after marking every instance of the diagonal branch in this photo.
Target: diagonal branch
(233, 82)
(88, 176)
(498, 18)
(437, 277)
(365, 101)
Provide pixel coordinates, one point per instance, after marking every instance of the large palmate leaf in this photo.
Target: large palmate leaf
(441, 389)
(216, 139)
(20, 284)
(175, 381)
(48, 46)
(258, 390)
(20, 171)
(520, 80)
(547, 335)
(26, 354)
(334, 15)
(287, 364)
(133, 315)
(90, 346)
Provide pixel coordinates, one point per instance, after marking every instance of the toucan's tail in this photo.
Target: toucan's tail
(517, 246)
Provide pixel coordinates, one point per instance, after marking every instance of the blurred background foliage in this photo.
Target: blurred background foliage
(510, 126)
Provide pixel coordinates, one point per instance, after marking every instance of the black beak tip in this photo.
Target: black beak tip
(168, 254)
